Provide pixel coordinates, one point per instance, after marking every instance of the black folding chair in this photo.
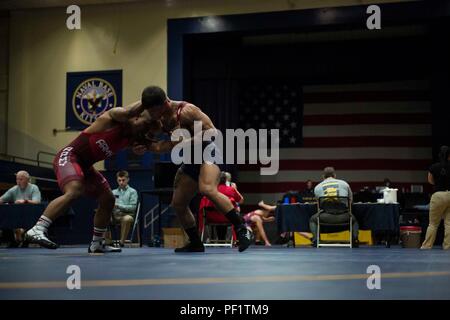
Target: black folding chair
(335, 206)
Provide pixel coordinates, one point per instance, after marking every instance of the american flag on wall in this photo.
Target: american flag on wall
(367, 131)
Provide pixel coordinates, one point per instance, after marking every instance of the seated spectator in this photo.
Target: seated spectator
(23, 192)
(332, 187)
(227, 188)
(225, 179)
(308, 194)
(124, 211)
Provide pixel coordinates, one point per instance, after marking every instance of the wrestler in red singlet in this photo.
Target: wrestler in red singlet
(75, 161)
(112, 131)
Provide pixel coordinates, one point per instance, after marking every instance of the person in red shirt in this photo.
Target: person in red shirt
(228, 189)
(114, 130)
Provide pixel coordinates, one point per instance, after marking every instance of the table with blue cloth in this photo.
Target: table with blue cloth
(13, 216)
(377, 217)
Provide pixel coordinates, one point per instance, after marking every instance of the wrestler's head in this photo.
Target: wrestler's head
(155, 100)
(139, 123)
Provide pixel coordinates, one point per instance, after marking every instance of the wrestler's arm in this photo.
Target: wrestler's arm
(190, 114)
(163, 146)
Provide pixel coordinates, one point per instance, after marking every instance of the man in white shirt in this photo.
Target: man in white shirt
(23, 192)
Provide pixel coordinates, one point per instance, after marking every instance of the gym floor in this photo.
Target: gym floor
(225, 274)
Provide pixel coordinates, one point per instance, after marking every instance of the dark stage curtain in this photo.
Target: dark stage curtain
(218, 98)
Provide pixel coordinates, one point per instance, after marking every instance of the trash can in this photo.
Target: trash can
(410, 236)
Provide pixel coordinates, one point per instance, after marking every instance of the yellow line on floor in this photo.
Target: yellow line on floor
(199, 281)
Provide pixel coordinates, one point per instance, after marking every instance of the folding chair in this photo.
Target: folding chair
(336, 206)
(115, 230)
(209, 220)
(136, 224)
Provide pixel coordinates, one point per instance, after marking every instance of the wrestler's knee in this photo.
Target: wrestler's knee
(179, 206)
(127, 219)
(73, 190)
(256, 219)
(208, 190)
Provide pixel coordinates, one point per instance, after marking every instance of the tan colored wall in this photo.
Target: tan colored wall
(131, 37)
(4, 51)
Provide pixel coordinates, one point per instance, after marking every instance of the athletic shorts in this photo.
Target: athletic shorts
(193, 170)
(68, 167)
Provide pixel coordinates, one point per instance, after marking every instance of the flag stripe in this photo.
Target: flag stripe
(343, 119)
(365, 107)
(356, 153)
(348, 164)
(373, 141)
(358, 130)
(370, 86)
(335, 97)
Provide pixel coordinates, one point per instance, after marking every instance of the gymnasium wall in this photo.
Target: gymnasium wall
(131, 37)
(4, 51)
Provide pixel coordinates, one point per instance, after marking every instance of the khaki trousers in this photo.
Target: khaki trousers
(439, 209)
(125, 221)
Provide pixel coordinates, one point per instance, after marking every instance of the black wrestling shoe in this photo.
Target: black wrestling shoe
(25, 244)
(198, 247)
(245, 238)
(355, 243)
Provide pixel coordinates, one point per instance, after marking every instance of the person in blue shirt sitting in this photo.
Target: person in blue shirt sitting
(22, 192)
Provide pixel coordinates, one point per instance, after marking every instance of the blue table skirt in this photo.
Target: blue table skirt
(20, 215)
(370, 216)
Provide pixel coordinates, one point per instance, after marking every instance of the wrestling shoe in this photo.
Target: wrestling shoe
(245, 238)
(101, 247)
(35, 235)
(190, 247)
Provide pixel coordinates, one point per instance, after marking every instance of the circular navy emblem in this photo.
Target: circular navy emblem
(92, 98)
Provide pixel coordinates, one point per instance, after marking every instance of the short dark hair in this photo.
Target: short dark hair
(123, 174)
(329, 172)
(153, 96)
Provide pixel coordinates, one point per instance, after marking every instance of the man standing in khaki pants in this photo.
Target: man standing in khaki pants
(125, 207)
(439, 176)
